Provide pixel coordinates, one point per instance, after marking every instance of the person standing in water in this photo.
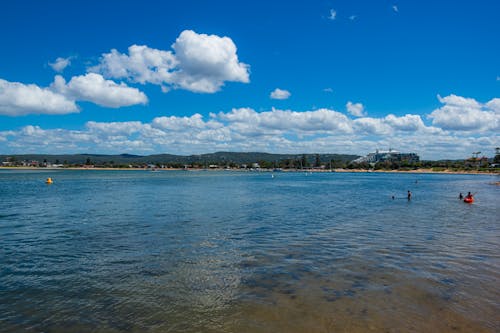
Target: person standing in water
(409, 195)
(460, 196)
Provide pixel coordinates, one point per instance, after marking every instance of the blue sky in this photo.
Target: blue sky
(189, 77)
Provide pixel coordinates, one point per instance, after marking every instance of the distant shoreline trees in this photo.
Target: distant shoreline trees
(248, 161)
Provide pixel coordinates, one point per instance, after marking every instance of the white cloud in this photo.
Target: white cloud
(244, 129)
(280, 94)
(374, 126)
(356, 109)
(494, 105)
(395, 9)
(333, 14)
(328, 90)
(201, 63)
(286, 121)
(353, 17)
(466, 114)
(174, 123)
(34, 139)
(409, 122)
(94, 88)
(142, 64)
(18, 99)
(60, 64)
(206, 61)
(115, 128)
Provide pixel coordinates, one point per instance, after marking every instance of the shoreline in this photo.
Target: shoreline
(416, 171)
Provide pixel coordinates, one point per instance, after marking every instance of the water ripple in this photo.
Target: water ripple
(242, 252)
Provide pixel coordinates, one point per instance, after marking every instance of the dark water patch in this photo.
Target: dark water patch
(448, 281)
(4, 216)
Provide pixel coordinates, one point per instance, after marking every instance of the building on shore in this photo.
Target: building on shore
(390, 155)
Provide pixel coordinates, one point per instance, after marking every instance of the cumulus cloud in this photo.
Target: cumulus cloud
(142, 65)
(200, 63)
(395, 9)
(18, 99)
(355, 109)
(275, 130)
(280, 94)
(34, 139)
(125, 128)
(374, 126)
(285, 121)
(466, 114)
(174, 123)
(60, 64)
(94, 88)
(409, 122)
(206, 61)
(494, 105)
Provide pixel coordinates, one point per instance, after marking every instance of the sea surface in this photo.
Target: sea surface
(217, 251)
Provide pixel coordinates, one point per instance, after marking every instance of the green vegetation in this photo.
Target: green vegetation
(481, 165)
(219, 159)
(231, 160)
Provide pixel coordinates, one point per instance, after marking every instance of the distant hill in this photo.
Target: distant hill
(213, 158)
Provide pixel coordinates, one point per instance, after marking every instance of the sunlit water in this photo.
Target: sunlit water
(138, 251)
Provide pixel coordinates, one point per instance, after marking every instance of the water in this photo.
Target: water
(138, 251)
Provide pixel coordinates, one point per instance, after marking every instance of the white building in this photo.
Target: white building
(388, 155)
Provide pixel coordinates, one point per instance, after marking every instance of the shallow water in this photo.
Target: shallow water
(138, 251)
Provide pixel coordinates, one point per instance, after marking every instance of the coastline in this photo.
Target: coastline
(425, 171)
(416, 171)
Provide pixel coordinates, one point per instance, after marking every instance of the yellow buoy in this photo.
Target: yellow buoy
(49, 181)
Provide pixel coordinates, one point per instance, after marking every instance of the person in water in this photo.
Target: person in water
(460, 196)
(409, 195)
(468, 196)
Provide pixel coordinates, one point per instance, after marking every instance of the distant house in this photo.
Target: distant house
(389, 155)
(477, 162)
(32, 163)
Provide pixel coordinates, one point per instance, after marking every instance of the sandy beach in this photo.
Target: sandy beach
(416, 171)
